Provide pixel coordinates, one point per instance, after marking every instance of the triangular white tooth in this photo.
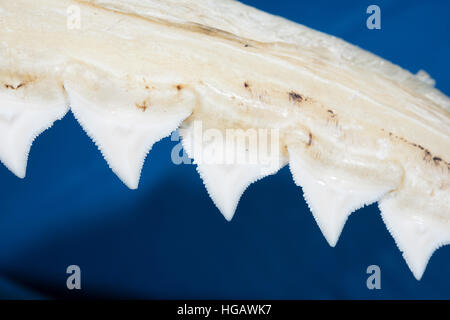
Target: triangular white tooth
(227, 181)
(124, 133)
(22, 119)
(418, 232)
(331, 195)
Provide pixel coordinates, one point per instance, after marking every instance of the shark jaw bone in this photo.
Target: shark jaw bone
(354, 128)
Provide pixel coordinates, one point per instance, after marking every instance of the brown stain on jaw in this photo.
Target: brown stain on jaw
(295, 97)
(437, 160)
(12, 87)
(332, 118)
(427, 155)
(331, 112)
(143, 105)
(310, 139)
(25, 80)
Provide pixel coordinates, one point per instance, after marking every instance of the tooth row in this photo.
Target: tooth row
(124, 129)
(354, 128)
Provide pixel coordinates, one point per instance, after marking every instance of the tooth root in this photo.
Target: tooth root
(417, 231)
(331, 195)
(224, 182)
(23, 117)
(124, 135)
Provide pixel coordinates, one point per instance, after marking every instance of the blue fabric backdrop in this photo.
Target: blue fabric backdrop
(167, 239)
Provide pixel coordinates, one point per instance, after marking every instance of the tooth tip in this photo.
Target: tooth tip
(132, 186)
(228, 217)
(417, 266)
(332, 241)
(331, 220)
(19, 171)
(131, 180)
(225, 203)
(418, 274)
(17, 168)
(20, 175)
(330, 228)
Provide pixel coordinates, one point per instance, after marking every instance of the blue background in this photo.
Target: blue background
(167, 240)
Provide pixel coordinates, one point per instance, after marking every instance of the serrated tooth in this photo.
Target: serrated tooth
(24, 115)
(417, 231)
(224, 182)
(333, 193)
(227, 183)
(125, 130)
